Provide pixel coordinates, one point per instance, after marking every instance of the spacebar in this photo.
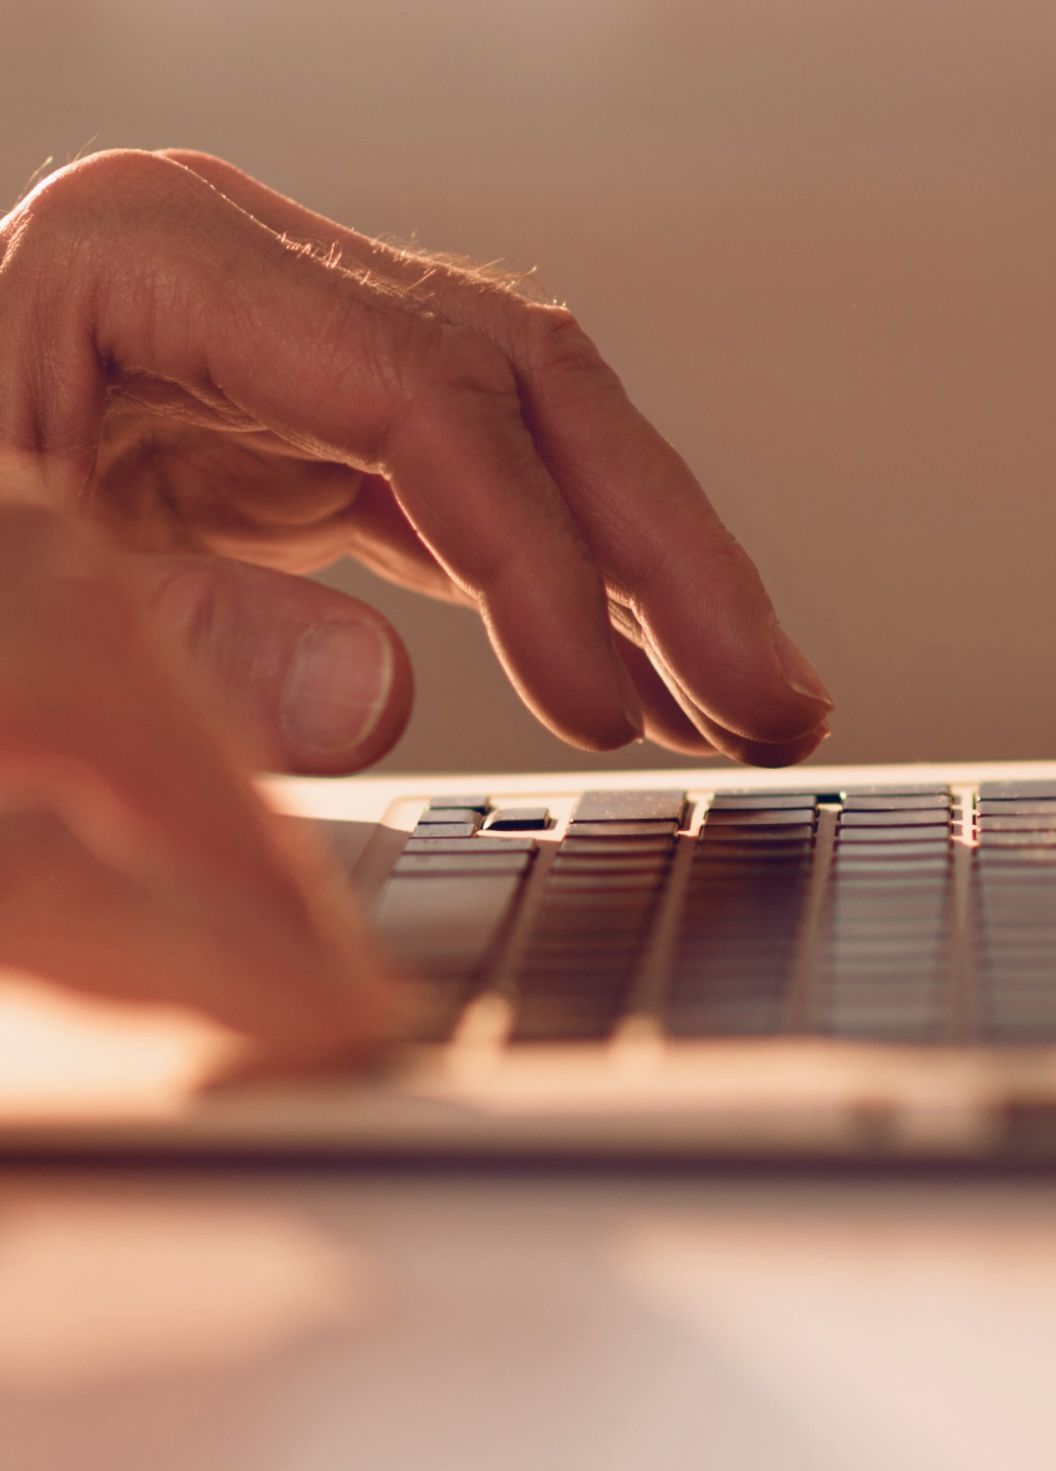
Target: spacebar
(446, 923)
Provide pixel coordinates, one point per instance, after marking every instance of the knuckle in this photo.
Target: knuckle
(460, 359)
(550, 337)
(731, 555)
(98, 185)
(451, 372)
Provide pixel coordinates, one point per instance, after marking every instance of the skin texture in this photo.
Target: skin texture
(208, 390)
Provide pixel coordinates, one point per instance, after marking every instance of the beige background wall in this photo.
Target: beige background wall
(816, 238)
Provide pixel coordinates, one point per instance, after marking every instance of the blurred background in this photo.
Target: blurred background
(816, 240)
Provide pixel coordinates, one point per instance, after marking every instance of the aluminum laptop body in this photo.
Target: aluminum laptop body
(825, 964)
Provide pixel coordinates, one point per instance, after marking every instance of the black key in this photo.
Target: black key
(586, 881)
(881, 1026)
(1040, 840)
(464, 862)
(616, 830)
(614, 848)
(927, 803)
(1019, 1036)
(517, 819)
(922, 932)
(859, 848)
(606, 910)
(761, 802)
(1012, 808)
(473, 803)
(655, 806)
(762, 836)
(884, 982)
(927, 817)
(931, 836)
(906, 899)
(763, 817)
(426, 843)
(1010, 791)
(750, 1017)
(898, 789)
(1025, 1012)
(1017, 822)
(997, 860)
(563, 1019)
(447, 919)
(447, 829)
(442, 816)
(881, 950)
(581, 968)
(739, 857)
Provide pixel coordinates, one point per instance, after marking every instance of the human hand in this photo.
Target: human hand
(137, 862)
(218, 370)
(183, 376)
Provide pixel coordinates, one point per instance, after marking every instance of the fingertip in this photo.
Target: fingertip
(772, 755)
(799, 674)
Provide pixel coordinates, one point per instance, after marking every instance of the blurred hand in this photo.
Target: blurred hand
(205, 388)
(136, 859)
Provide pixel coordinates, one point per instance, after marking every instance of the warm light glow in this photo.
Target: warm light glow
(123, 1287)
(68, 1056)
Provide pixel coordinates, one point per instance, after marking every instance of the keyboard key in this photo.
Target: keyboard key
(1004, 862)
(989, 822)
(441, 863)
(932, 837)
(927, 803)
(517, 819)
(857, 854)
(443, 816)
(425, 843)
(1013, 808)
(465, 829)
(474, 803)
(759, 818)
(761, 801)
(926, 818)
(623, 806)
(899, 789)
(920, 1025)
(611, 849)
(1037, 840)
(575, 886)
(656, 831)
(452, 919)
(1005, 791)
(799, 832)
(720, 1017)
(545, 1019)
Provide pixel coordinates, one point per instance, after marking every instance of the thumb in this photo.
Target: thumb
(322, 677)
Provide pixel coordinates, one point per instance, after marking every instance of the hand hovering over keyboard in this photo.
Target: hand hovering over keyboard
(137, 861)
(238, 390)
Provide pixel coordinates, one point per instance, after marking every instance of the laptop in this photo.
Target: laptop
(834, 965)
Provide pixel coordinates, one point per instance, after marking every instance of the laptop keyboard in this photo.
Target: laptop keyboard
(881, 914)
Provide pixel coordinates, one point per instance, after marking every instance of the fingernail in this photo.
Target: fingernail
(799, 674)
(337, 685)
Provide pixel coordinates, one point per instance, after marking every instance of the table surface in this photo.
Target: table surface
(259, 1320)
